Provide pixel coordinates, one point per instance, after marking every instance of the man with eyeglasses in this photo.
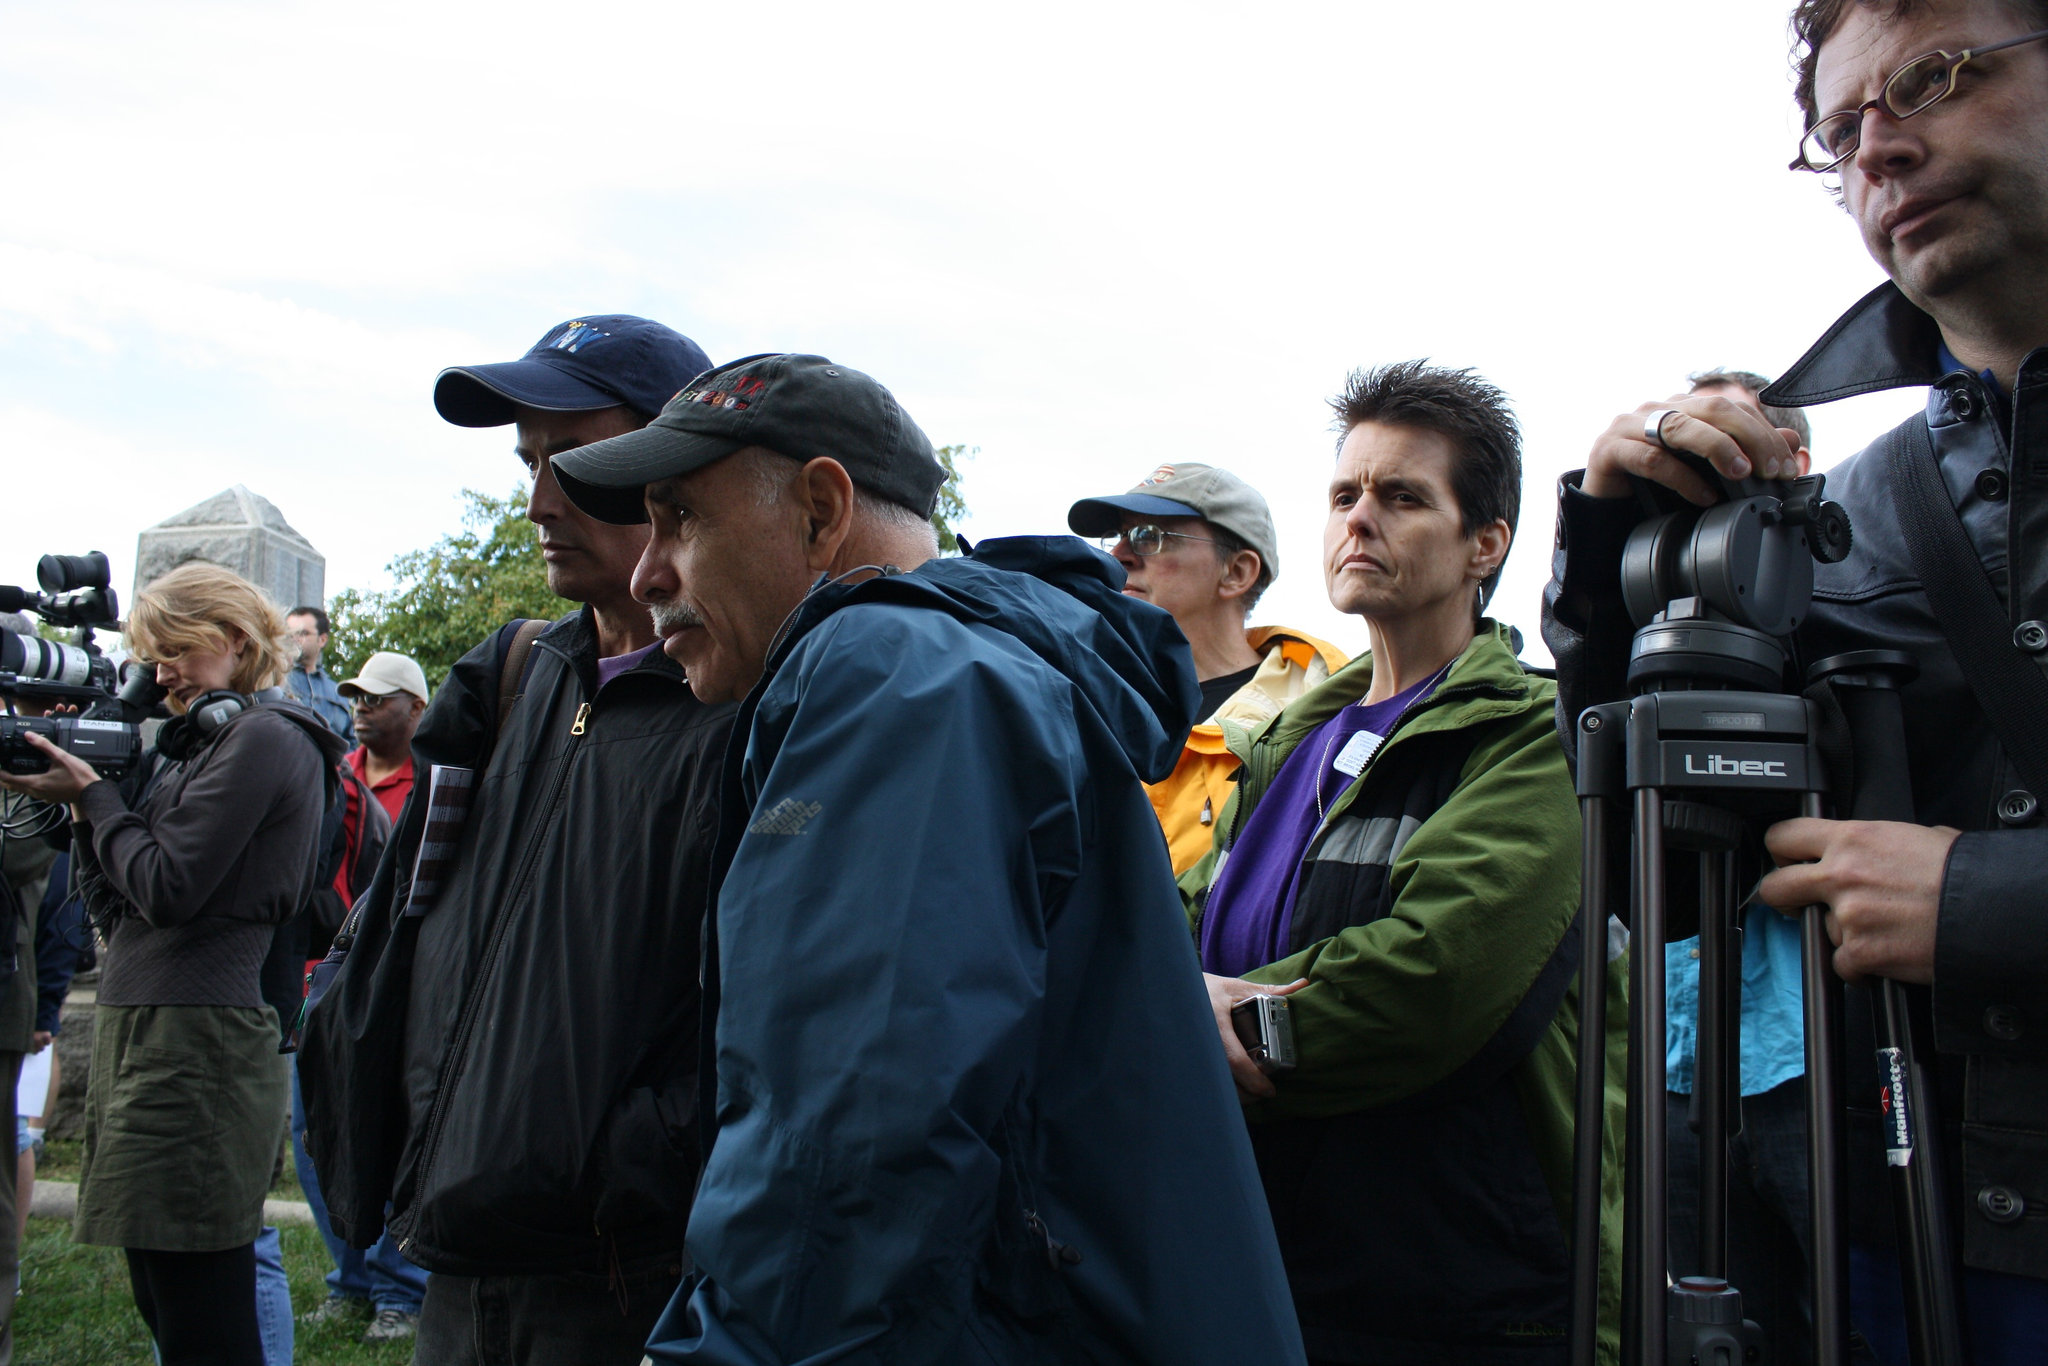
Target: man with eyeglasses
(1932, 117)
(1198, 541)
(388, 695)
(308, 683)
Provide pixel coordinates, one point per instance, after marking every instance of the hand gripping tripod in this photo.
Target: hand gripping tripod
(1708, 753)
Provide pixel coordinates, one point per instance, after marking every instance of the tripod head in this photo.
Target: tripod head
(1714, 591)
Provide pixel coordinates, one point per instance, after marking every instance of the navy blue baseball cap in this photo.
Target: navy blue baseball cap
(600, 361)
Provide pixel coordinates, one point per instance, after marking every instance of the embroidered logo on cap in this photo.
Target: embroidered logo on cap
(575, 337)
(733, 394)
(1158, 476)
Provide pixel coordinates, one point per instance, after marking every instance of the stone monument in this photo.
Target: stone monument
(237, 530)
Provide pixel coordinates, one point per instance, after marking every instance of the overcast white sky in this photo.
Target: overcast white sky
(241, 239)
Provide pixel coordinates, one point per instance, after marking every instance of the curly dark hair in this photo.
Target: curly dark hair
(1466, 410)
(1814, 20)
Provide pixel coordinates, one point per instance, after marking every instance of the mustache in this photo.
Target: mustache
(672, 616)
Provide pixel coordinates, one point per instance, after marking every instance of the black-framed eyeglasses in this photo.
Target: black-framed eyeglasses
(370, 701)
(1914, 88)
(1147, 540)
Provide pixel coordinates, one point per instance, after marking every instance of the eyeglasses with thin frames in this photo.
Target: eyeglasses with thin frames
(1147, 540)
(1914, 88)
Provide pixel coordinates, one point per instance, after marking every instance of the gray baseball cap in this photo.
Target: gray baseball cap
(1187, 490)
(803, 407)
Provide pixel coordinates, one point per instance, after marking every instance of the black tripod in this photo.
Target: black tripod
(1711, 750)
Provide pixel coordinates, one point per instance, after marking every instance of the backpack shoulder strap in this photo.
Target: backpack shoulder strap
(2012, 689)
(334, 798)
(516, 659)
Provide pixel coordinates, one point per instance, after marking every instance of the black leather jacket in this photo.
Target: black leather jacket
(515, 1070)
(1990, 998)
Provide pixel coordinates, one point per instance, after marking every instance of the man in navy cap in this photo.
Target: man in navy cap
(587, 379)
(512, 1065)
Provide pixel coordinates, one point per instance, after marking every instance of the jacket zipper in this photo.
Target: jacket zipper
(466, 1026)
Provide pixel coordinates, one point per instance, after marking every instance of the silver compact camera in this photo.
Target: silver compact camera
(1266, 1030)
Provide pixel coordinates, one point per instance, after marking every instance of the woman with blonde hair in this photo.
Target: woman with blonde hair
(187, 1095)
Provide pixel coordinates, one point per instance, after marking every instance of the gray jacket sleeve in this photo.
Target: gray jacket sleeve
(171, 865)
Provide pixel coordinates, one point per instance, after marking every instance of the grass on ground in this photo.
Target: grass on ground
(76, 1310)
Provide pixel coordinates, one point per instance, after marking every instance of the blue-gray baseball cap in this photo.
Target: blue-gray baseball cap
(600, 361)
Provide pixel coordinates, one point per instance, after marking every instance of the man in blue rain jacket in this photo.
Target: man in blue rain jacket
(966, 1104)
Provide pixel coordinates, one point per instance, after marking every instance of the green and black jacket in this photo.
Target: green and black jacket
(1418, 1161)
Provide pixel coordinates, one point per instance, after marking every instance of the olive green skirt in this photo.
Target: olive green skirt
(183, 1115)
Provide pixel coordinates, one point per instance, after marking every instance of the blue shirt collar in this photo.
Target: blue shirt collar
(1949, 364)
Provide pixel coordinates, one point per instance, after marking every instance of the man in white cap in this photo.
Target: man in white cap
(1199, 542)
(388, 698)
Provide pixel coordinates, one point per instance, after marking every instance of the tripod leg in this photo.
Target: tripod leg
(1934, 1321)
(1710, 1067)
(1731, 1009)
(1823, 1009)
(1589, 1133)
(1926, 1237)
(1644, 1275)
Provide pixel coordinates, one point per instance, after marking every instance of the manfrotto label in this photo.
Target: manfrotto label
(1892, 1100)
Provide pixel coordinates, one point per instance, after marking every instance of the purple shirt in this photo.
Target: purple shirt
(608, 669)
(1251, 905)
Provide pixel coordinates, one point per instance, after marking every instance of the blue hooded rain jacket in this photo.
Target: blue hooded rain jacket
(969, 1103)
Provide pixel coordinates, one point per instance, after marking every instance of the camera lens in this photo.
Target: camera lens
(44, 661)
(67, 573)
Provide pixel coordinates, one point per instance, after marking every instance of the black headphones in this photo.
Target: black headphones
(184, 736)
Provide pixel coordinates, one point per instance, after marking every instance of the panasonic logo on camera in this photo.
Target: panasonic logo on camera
(1717, 767)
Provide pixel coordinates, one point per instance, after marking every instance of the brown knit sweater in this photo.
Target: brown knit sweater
(220, 854)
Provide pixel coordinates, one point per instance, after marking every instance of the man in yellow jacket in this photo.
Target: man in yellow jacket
(1198, 541)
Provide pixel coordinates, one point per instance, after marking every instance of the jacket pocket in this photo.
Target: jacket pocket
(158, 1093)
(2005, 1200)
(644, 1166)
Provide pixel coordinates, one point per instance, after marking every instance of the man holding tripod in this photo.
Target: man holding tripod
(1933, 116)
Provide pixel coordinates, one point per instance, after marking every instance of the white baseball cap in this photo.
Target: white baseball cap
(385, 673)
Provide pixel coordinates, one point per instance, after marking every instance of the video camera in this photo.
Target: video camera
(112, 700)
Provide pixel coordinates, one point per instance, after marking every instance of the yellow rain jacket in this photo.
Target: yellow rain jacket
(1192, 796)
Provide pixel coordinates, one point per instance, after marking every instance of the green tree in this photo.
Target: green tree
(951, 506)
(449, 596)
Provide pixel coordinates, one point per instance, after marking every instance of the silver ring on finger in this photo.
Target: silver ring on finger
(1653, 427)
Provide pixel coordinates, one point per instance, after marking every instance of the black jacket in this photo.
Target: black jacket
(1991, 950)
(515, 1069)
